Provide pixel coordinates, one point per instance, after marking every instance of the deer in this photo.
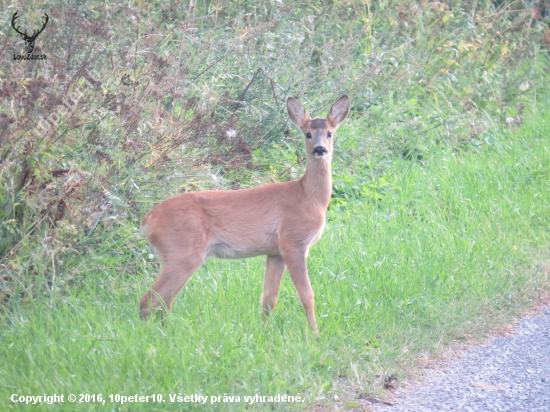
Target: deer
(29, 40)
(279, 220)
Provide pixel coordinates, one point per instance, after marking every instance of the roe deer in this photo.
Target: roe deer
(280, 220)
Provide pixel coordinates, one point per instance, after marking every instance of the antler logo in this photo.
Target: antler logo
(29, 40)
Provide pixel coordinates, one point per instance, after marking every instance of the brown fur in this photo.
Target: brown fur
(280, 220)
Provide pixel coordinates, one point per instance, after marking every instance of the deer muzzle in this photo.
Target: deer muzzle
(320, 151)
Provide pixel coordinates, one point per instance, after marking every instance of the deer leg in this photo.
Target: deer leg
(173, 277)
(296, 262)
(274, 271)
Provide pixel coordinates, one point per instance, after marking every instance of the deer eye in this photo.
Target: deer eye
(308, 135)
(329, 135)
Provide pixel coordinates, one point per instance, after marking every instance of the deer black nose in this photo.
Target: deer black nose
(320, 150)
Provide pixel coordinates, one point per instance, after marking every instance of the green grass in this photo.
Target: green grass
(448, 242)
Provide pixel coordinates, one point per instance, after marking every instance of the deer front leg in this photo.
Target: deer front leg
(295, 260)
(274, 271)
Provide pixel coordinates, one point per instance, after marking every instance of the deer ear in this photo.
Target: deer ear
(298, 115)
(339, 111)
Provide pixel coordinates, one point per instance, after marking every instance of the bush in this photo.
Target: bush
(137, 103)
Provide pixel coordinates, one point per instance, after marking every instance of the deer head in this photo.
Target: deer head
(29, 40)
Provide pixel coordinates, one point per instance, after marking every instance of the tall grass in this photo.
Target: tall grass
(438, 223)
(190, 96)
(450, 244)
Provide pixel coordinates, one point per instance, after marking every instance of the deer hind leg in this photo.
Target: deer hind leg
(173, 276)
(274, 271)
(296, 263)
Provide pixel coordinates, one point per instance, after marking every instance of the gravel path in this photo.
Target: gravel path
(510, 374)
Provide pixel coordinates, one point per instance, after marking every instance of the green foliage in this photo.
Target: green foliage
(450, 242)
(138, 101)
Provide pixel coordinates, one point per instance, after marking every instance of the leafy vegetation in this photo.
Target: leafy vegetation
(439, 209)
(455, 246)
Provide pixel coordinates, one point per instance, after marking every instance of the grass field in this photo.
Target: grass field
(421, 253)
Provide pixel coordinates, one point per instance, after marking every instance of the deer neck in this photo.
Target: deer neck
(317, 180)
